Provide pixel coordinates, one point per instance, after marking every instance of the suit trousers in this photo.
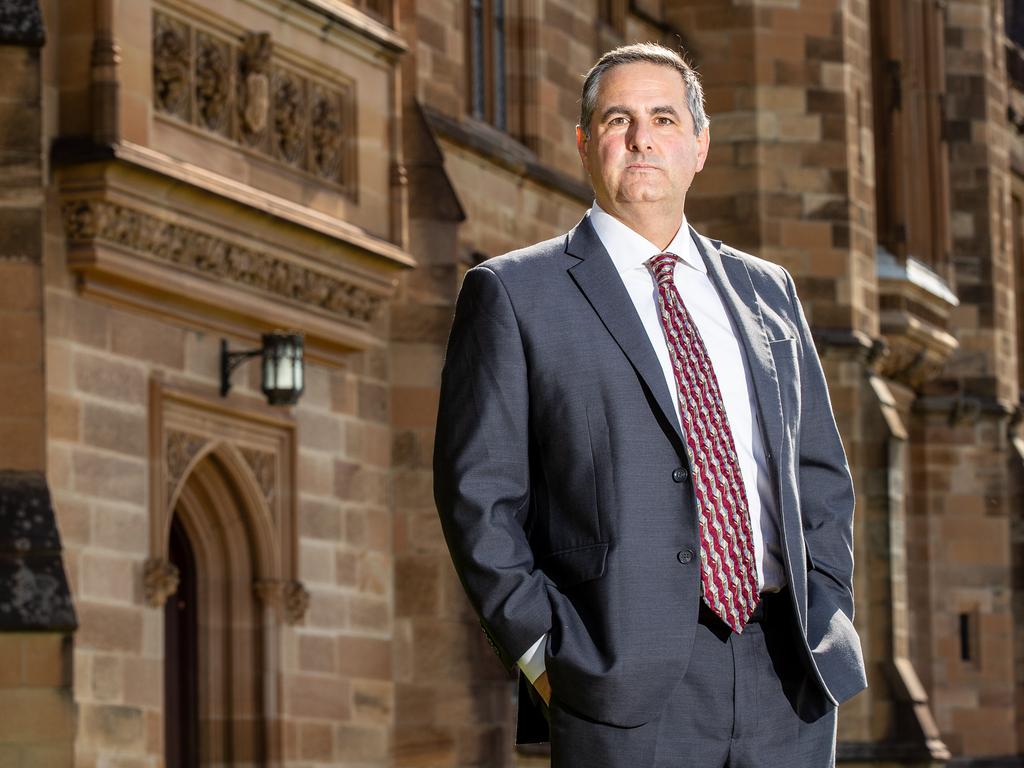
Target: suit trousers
(742, 703)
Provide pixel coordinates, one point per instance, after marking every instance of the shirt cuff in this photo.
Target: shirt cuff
(532, 662)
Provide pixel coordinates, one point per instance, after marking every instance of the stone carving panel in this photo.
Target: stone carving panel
(264, 470)
(233, 87)
(181, 449)
(253, 95)
(172, 56)
(213, 84)
(88, 220)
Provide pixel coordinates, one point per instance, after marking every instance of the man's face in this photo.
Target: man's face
(642, 148)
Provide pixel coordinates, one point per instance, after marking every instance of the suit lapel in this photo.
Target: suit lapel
(597, 278)
(732, 279)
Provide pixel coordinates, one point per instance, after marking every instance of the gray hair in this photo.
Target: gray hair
(652, 53)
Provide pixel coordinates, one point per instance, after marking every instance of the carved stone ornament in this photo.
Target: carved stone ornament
(289, 116)
(213, 83)
(172, 62)
(182, 447)
(254, 87)
(262, 464)
(231, 87)
(326, 133)
(289, 599)
(89, 220)
(160, 580)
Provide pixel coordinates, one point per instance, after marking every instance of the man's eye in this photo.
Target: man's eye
(620, 120)
(663, 121)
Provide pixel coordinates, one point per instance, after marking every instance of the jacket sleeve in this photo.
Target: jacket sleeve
(825, 484)
(482, 467)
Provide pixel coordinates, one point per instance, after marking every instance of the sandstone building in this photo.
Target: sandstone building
(193, 579)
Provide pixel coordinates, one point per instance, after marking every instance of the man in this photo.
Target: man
(637, 468)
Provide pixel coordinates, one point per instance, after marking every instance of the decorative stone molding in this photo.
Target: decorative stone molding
(172, 56)
(88, 221)
(262, 464)
(252, 450)
(180, 449)
(233, 87)
(289, 599)
(159, 581)
(253, 98)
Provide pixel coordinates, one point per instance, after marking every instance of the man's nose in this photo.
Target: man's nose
(639, 137)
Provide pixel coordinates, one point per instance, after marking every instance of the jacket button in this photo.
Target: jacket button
(684, 556)
(679, 474)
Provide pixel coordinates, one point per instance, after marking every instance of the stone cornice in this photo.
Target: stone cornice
(90, 222)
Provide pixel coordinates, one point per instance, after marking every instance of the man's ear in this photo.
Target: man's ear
(703, 146)
(581, 146)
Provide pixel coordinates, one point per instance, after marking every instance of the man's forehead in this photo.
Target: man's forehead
(641, 78)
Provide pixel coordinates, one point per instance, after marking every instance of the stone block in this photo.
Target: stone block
(10, 659)
(29, 715)
(46, 660)
(319, 431)
(317, 696)
(144, 339)
(109, 477)
(20, 286)
(360, 743)
(115, 429)
(372, 702)
(111, 726)
(144, 682)
(369, 614)
(125, 529)
(317, 653)
(21, 338)
(110, 378)
(21, 236)
(364, 657)
(63, 417)
(316, 742)
(108, 628)
(320, 519)
(107, 678)
(414, 407)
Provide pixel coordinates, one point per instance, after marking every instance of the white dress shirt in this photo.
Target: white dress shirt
(629, 250)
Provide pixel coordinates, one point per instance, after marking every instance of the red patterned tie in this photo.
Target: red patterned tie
(728, 571)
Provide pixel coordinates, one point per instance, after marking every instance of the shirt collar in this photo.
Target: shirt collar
(629, 249)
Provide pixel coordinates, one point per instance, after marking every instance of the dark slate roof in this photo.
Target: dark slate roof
(34, 592)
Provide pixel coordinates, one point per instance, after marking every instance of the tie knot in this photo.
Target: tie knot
(662, 266)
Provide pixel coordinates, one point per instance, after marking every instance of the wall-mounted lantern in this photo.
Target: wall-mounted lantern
(282, 378)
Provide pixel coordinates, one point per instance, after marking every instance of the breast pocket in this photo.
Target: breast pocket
(787, 369)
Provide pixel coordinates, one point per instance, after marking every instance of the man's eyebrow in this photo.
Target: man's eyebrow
(616, 109)
(620, 109)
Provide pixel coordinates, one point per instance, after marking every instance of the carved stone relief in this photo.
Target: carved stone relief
(172, 56)
(213, 83)
(233, 87)
(160, 580)
(263, 468)
(254, 88)
(289, 599)
(289, 117)
(327, 133)
(181, 448)
(90, 220)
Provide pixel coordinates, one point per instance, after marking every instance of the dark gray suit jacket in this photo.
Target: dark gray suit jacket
(555, 475)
